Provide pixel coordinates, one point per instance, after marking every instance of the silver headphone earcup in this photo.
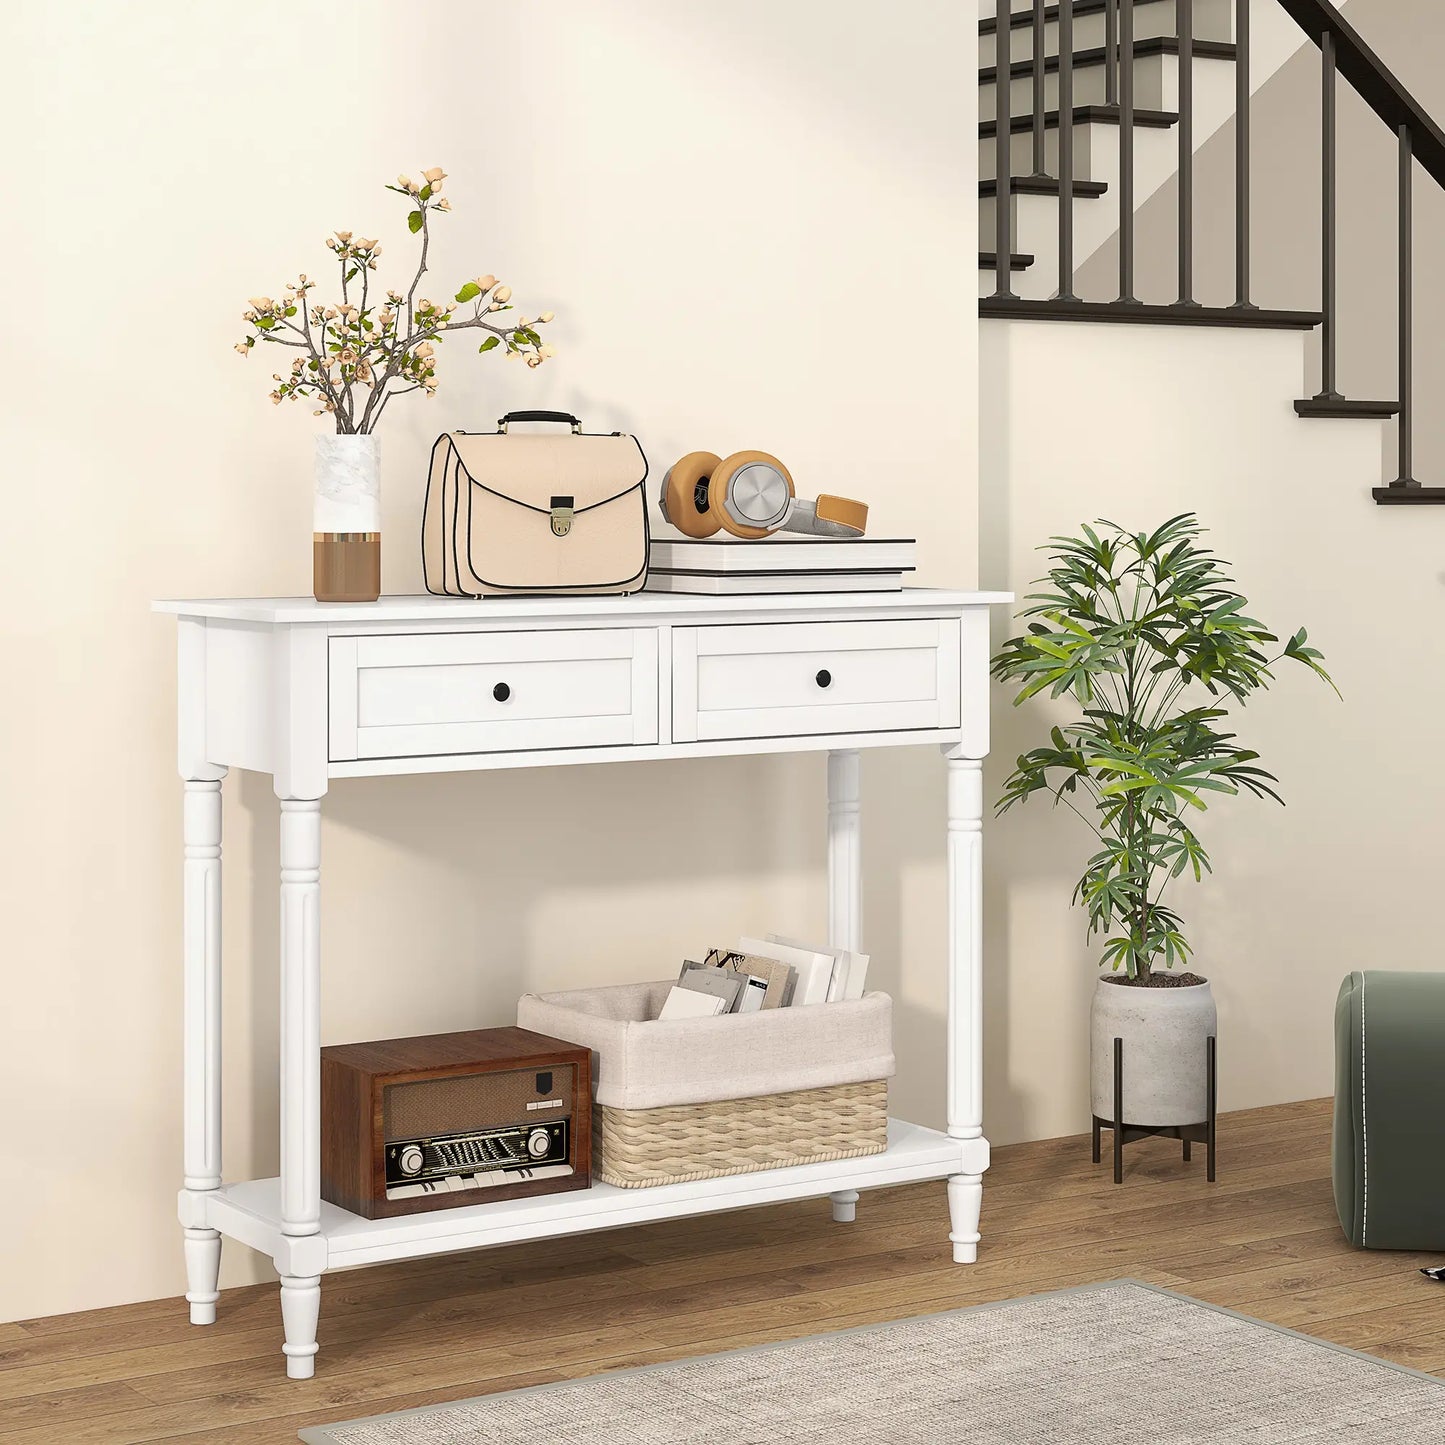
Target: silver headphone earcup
(758, 496)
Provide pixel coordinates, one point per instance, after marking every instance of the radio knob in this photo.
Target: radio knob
(411, 1159)
(538, 1143)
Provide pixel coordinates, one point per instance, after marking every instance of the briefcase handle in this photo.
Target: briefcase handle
(557, 416)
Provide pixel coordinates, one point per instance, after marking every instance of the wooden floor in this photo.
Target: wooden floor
(1263, 1240)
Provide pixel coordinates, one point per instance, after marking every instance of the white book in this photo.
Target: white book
(857, 969)
(771, 583)
(688, 1003)
(850, 970)
(815, 966)
(755, 991)
(784, 554)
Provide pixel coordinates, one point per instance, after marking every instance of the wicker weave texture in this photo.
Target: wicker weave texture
(639, 1147)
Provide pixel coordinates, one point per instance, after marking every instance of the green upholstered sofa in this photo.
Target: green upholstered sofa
(1389, 1139)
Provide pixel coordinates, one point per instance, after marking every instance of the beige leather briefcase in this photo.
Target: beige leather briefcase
(535, 514)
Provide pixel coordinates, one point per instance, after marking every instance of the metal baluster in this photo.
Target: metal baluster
(1185, 17)
(1003, 144)
(1066, 151)
(1407, 310)
(1327, 391)
(1111, 52)
(1126, 151)
(1241, 155)
(1039, 168)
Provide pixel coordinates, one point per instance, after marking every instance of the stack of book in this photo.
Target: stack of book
(779, 565)
(763, 973)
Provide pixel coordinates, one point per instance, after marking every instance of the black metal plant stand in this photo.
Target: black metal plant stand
(1127, 1133)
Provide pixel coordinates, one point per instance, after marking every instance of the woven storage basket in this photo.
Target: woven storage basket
(698, 1098)
(701, 1141)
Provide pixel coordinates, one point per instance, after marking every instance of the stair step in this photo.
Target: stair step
(1042, 186)
(1147, 315)
(1023, 19)
(1086, 59)
(1408, 496)
(1083, 115)
(1342, 406)
(1019, 261)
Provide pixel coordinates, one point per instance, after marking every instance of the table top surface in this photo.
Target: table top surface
(639, 606)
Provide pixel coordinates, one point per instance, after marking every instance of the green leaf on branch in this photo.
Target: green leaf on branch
(351, 273)
(469, 291)
(425, 193)
(265, 323)
(289, 311)
(414, 222)
(488, 344)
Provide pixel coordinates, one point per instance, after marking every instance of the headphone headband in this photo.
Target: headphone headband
(828, 517)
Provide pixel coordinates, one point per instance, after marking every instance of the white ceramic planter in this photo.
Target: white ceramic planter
(1164, 1032)
(348, 484)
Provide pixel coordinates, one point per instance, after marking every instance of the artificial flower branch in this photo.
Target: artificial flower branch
(358, 356)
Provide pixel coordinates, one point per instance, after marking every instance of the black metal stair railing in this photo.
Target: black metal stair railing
(1343, 55)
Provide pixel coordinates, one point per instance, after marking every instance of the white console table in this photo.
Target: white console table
(308, 692)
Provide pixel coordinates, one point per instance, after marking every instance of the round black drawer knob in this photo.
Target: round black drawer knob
(824, 677)
(501, 692)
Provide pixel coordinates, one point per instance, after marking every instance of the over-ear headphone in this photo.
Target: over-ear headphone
(750, 494)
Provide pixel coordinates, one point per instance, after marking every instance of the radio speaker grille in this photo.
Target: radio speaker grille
(475, 1101)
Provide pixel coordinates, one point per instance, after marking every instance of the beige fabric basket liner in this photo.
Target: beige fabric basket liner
(687, 1099)
(642, 1062)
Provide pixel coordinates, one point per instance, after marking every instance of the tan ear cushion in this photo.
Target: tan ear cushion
(679, 494)
(844, 511)
(723, 473)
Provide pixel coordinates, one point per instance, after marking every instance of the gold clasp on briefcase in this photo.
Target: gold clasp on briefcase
(561, 515)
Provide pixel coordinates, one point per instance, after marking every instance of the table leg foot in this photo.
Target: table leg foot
(965, 1202)
(845, 1206)
(203, 1273)
(300, 1309)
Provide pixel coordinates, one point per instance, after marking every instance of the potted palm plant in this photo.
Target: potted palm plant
(1147, 634)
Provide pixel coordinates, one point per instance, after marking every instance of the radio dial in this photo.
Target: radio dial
(411, 1159)
(538, 1143)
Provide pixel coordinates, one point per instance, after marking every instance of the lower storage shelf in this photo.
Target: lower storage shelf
(251, 1212)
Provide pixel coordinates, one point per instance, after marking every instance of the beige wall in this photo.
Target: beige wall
(1149, 421)
(749, 219)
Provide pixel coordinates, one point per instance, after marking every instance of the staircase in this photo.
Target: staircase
(1105, 102)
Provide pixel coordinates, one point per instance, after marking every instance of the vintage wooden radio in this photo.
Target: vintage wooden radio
(453, 1119)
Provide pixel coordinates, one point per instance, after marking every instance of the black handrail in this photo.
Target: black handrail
(1373, 80)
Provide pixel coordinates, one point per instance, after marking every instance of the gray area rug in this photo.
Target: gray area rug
(1121, 1364)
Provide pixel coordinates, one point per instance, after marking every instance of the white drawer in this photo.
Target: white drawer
(478, 692)
(795, 679)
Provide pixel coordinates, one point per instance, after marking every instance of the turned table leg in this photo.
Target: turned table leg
(300, 1072)
(201, 990)
(965, 999)
(845, 891)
